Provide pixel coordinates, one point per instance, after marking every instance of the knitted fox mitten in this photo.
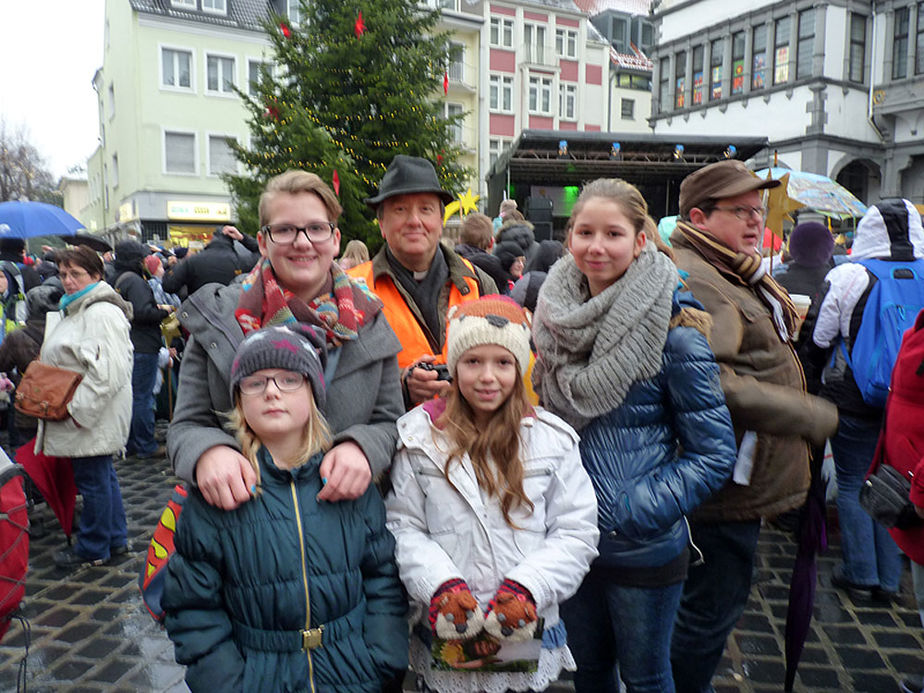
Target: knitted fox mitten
(511, 614)
(454, 613)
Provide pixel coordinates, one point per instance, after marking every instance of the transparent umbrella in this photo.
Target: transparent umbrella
(819, 192)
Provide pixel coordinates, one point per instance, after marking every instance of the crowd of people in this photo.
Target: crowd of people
(554, 456)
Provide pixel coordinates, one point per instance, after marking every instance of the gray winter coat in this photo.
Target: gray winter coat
(363, 398)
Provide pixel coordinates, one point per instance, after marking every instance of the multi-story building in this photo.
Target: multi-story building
(626, 25)
(168, 111)
(547, 69)
(465, 79)
(834, 86)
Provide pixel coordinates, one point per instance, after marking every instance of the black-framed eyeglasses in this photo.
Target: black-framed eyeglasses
(285, 234)
(285, 382)
(744, 213)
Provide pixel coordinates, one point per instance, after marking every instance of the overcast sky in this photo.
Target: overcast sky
(49, 51)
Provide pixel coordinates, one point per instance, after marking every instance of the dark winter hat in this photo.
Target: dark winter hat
(406, 175)
(728, 178)
(507, 252)
(180, 252)
(811, 244)
(12, 245)
(131, 252)
(489, 320)
(41, 299)
(294, 347)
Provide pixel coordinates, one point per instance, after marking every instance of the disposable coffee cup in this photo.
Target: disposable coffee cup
(802, 303)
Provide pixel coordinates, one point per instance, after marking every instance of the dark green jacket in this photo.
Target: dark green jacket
(235, 595)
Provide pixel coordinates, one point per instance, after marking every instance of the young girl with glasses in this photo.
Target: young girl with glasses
(493, 515)
(285, 592)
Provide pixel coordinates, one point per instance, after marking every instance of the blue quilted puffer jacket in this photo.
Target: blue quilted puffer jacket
(667, 448)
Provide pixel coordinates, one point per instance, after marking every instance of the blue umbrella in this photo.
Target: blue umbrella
(27, 219)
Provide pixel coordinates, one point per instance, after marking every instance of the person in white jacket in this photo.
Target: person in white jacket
(91, 338)
(494, 517)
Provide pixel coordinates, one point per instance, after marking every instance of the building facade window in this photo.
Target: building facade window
(111, 101)
(294, 12)
(540, 95)
(215, 6)
(456, 61)
(221, 155)
(680, 71)
(716, 56)
(567, 101)
(496, 147)
(900, 44)
(632, 81)
(501, 93)
(220, 74)
(699, 55)
(627, 109)
(179, 152)
(184, 4)
(664, 85)
(737, 64)
(919, 42)
(566, 43)
(114, 171)
(534, 38)
(759, 57)
(176, 68)
(805, 48)
(255, 74)
(455, 129)
(781, 37)
(502, 32)
(857, 57)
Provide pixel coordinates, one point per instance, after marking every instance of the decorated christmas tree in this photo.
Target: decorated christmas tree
(356, 82)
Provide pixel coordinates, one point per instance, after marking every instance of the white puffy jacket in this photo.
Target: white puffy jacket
(92, 339)
(444, 532)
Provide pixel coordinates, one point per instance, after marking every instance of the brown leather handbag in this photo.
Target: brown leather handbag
(45, 391)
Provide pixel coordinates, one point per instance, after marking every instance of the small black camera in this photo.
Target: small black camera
(442, 370)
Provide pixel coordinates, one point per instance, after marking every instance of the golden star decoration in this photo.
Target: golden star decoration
(451, 209)
(780, 206)
(468, 202)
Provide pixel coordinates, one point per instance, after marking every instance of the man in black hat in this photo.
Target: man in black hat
(418, 278)
(716, 245)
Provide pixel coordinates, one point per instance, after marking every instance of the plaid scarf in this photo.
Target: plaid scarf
(340, 312)
(749, 268)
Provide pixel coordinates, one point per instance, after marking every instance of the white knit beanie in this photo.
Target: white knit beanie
(489, 320)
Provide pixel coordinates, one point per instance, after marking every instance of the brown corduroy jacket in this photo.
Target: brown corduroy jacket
(765, 392)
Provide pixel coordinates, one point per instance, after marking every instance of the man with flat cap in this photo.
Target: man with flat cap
(416, 277)
(716, 243)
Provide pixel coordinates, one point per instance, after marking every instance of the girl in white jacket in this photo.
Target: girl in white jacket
(494, 517)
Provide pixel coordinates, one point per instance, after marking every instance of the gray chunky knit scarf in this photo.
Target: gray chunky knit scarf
(592, 349)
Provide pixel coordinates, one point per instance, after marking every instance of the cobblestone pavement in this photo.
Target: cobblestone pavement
(90, 632)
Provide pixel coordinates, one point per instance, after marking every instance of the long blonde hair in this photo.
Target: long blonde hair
(316, 436)
(492, 443)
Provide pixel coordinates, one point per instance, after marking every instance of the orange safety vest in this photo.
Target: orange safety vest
(402, 319)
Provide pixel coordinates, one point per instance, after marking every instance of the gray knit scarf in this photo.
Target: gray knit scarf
(592, 349)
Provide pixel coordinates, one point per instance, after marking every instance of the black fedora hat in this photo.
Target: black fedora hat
(406, 175)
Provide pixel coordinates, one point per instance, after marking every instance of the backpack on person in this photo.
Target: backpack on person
(894, 300)
(154, 570)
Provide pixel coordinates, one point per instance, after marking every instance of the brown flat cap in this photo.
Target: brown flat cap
(728, 178)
